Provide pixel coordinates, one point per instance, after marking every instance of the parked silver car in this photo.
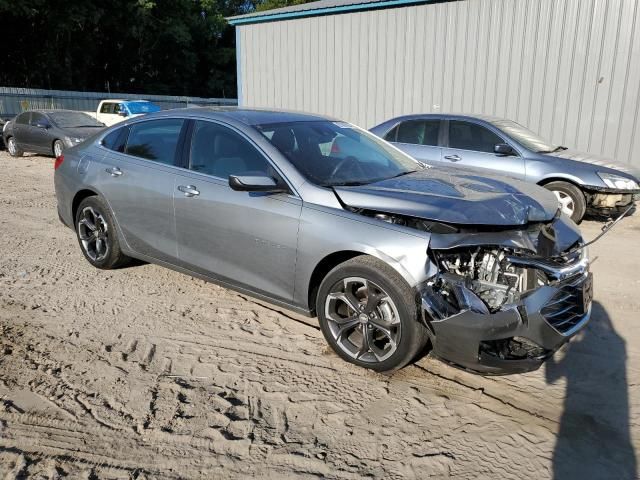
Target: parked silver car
(390, 254)
(583, 183)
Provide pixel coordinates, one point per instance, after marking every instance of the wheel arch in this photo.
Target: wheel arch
(77, 199)
(321, 270)
(558, 178)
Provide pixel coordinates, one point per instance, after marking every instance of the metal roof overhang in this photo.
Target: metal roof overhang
(275, 15)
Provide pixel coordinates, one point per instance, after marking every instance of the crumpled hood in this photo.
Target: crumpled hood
(462, 197)
(596, 160)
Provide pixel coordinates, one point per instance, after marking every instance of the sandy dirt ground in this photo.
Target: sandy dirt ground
(147, 373)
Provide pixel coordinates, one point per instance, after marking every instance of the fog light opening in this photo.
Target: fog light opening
(514, 348)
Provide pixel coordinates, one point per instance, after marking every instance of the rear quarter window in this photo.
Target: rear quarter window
(116, 139)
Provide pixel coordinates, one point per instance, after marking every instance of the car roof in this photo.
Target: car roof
(472, 116)
(248, 116)
(50, 110)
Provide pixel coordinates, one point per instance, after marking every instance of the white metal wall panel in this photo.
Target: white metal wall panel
(568, 69)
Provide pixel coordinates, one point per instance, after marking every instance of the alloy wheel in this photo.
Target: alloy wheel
(12, 146)
(363, 320)
(567, 205)
(94, 234)
(57, 149)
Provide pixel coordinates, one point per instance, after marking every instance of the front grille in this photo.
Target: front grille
(567, 308)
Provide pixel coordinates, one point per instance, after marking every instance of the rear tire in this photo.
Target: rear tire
(58, 148)
(97, 235)
(12, 147)
(369, 315)
(571, 199)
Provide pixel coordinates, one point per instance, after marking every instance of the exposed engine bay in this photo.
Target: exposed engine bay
(488, 273)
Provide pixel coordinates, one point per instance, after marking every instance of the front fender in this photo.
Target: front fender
(324, 231)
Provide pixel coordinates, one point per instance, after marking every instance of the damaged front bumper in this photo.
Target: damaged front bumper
(518, 337)
(609, 202)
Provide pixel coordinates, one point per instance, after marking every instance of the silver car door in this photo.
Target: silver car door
(249, 239)
(472, 145)
(138, 185)
(418, 138)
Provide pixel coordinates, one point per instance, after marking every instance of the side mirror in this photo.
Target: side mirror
(247, 183)
(503, 149)
(42, 125)
(122, 113)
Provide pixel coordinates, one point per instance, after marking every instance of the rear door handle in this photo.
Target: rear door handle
(189, 190)
(453, 158)
(114, 171)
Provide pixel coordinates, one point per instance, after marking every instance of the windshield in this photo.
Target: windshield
(142, 107)
(528, 139)
(74, 120)
(337, 153)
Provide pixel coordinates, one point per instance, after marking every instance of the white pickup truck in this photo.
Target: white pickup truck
(113, 111)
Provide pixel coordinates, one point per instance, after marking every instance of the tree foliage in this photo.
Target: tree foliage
(175, 47)
(269, 4)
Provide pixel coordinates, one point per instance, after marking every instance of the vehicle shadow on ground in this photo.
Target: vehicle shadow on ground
(594, 440)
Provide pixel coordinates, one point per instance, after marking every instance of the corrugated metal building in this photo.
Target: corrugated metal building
(567, 69)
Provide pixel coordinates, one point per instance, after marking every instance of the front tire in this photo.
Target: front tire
(571, 199)
(369, 316)
(12, 147)
(97, 236)
(58, 148)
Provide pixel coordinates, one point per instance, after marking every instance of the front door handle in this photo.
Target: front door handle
(189, 190)
(114, 172)
(453, 158)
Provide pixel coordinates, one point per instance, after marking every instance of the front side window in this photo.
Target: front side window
(219, 151)
(337, 153)
(38, 118)
(155, 140)
(470, 136)
(23, 118)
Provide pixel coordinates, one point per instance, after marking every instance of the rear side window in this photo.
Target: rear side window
(109, 107)
(23, 118)
(219, 151)
(155, 140)
(418, 132)
(116, 139)
(470, 136)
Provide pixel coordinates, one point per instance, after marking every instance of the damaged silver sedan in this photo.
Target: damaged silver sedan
(393, 256)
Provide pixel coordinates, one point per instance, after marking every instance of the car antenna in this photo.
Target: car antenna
(605, 229)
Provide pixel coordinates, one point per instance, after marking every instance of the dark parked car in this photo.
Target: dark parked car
(48, 132)
(583, 183)
(2, 125)
(390, 254)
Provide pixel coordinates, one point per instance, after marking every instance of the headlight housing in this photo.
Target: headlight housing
(73, 140)
(618, 182)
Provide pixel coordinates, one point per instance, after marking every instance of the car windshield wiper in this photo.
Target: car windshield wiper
(347, 184)
(402, 174)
